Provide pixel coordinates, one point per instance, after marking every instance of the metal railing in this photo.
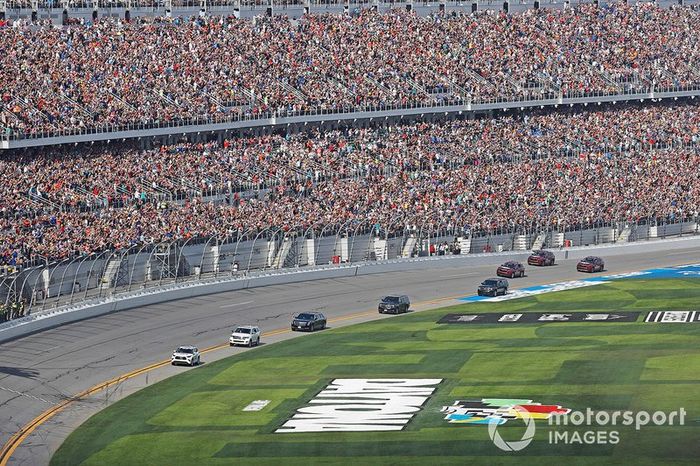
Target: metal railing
(259, 4)
(285, 117)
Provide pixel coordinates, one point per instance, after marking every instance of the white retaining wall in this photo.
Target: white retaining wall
(139, 298)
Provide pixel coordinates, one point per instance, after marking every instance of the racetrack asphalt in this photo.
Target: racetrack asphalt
(42, 370)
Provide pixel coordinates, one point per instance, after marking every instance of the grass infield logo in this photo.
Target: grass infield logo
(565, 426)
(497, 411)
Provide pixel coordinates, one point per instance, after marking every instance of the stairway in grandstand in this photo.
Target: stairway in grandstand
(557, 240)
(283, 252)
(520, 243)
(409, 246)
(624, 235)
(115, 273)
(210, 259)
(380, 249)
(465, 244)
(293, 255)
(539, 241)
(167, 262)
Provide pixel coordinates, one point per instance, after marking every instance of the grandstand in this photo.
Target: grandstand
(217, 74)
(585, 176)
(218, 127)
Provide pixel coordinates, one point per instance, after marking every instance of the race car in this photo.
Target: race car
(590, 264)
(511, 269)
(541, 258)
(185, 355)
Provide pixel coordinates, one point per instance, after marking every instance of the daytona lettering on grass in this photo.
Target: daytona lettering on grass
(362, 405)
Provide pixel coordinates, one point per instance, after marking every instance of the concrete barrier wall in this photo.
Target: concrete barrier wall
(105, 305)
(82, 278)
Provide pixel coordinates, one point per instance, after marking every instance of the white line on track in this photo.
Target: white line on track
(24, 394)
(235, 304)
(471, 274)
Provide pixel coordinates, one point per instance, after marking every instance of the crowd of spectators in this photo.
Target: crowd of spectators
(13, 310)
(546, 169)
(157, 70)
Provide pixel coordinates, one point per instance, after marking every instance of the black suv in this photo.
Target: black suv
(394, 304)
(493, 287)
(309, 321)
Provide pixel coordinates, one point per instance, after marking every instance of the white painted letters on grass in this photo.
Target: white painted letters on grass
(256, 405)
(356, 405)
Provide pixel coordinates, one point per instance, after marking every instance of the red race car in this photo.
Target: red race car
(590, 264)
(511, 269)
(541, 258)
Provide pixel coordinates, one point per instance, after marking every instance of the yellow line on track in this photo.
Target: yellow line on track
(16, 440)
(21, 435)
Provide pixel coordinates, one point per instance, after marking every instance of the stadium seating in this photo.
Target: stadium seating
(154, 71)
(536, 170)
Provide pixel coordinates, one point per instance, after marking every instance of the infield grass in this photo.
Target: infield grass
(196, 418)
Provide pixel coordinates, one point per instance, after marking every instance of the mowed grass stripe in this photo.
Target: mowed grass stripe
(197, 417)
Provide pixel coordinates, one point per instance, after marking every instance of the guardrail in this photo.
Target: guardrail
(228, 5)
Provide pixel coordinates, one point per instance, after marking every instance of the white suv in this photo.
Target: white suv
(245, 335)
(185, 355)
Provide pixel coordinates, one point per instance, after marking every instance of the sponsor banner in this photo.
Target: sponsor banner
(256, 405)
(361, 405)
(498, 411)
(673, 317)
(538, 317)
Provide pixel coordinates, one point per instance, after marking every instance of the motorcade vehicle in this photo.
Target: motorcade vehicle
(247, 335)
(511, 269)
(541, 258)
(590, 264)
(493, 287)
(309, 321)
(188, 355)
(394, 304)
